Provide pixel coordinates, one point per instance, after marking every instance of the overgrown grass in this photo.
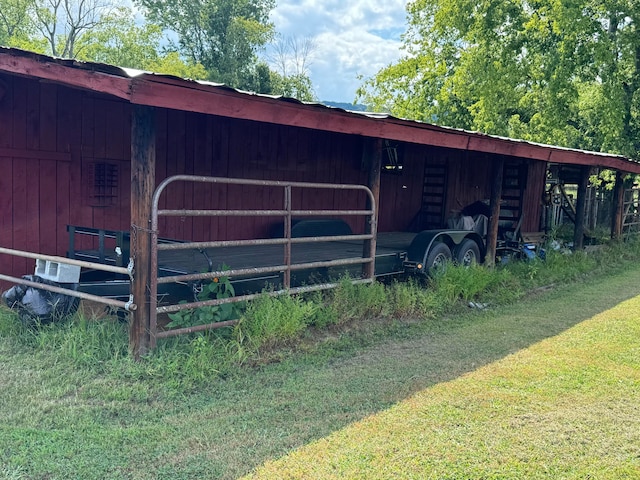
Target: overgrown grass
(271, 323)
(74, 404)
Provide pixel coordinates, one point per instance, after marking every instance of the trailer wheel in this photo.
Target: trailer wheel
(438, 257)
(467, 253)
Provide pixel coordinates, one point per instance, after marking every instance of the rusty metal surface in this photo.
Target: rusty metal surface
(285, 268)
(260, 242)
(198, 328)
(69, 261)
(71, 293)
(253, 296)
(259, 270)
(263, 213)
(129, 305)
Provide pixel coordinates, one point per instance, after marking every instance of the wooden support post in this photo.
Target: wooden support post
(494, 205)
(581, 204)
(143, 166)
(618, 206)
(375, 167)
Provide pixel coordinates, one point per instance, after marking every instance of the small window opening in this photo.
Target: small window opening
(391, 158)
(104, 190)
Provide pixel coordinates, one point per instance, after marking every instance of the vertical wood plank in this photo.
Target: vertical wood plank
(19, 116)
(494, 205)
(81, 214)
(581, 203)
(533, 192)
(618, 206)
(6, 112)
(371, 227)
(33, 117)
(63, 206)
(221, 169)
(200, 198)
(161, 163)
(115, 119)
(6, 214)
(124, 193)
(143, 149)
(44, 207)
(175, 166)
(48, 117)
(188, 160)
(19, 210)
(69, 139)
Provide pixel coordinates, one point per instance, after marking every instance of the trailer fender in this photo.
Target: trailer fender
(424, 242)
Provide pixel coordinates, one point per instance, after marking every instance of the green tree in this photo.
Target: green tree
(119, 40)
(63, 23)
(293, 86)
(223, 35)
(290, 59)
(16, 25)
(561, 72)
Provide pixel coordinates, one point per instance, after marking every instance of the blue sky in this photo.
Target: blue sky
(352, 38)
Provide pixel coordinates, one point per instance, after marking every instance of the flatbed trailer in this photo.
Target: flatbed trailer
(396, 253)
(305, 249)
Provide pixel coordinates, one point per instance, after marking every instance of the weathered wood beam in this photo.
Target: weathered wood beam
(618, 206)
(143, 166)
(175, 93)
(581, 204)
(494, 205)
(65, 72)
(375, 168)
(180, 95)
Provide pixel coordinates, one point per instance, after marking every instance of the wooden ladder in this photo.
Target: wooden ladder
(514, 180)
(434, 187)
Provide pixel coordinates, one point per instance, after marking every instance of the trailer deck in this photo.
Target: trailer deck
(391, 248)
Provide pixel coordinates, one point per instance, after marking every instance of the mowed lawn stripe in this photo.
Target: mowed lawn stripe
(566, 407)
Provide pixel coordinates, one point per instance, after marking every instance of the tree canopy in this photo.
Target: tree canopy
(290, 58)
(222, 35)
(565, 72)
(216, 40)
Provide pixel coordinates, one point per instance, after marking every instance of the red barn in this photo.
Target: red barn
(85, 144)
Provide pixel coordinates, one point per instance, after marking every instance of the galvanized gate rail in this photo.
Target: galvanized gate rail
(128, 305)
(286, 267)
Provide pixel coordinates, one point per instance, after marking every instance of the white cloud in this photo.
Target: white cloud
(353, 38)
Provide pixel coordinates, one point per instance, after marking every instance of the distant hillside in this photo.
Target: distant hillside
(346, 106)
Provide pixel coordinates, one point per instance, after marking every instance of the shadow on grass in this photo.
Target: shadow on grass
(127, 428)
(263, 414)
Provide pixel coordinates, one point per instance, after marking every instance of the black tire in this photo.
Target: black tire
(438, 257)
(467, 253)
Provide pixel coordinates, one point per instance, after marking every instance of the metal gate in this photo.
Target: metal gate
(285, 267)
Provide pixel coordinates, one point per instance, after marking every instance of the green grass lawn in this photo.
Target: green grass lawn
(547, 388)
(565, 407)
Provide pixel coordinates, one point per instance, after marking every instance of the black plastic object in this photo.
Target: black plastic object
(320, 227)
(40, 306)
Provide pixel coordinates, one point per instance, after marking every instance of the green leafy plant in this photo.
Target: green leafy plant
(218, 288)
(354, 301)
(270, 320)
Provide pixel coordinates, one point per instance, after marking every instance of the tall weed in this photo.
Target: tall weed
(356, 301)
(414, 298)
(182, 363)
(10, 325)
(270, 320)
(475, 282)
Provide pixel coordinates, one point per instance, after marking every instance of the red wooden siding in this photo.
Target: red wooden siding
(51, 138)
(532, 204)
